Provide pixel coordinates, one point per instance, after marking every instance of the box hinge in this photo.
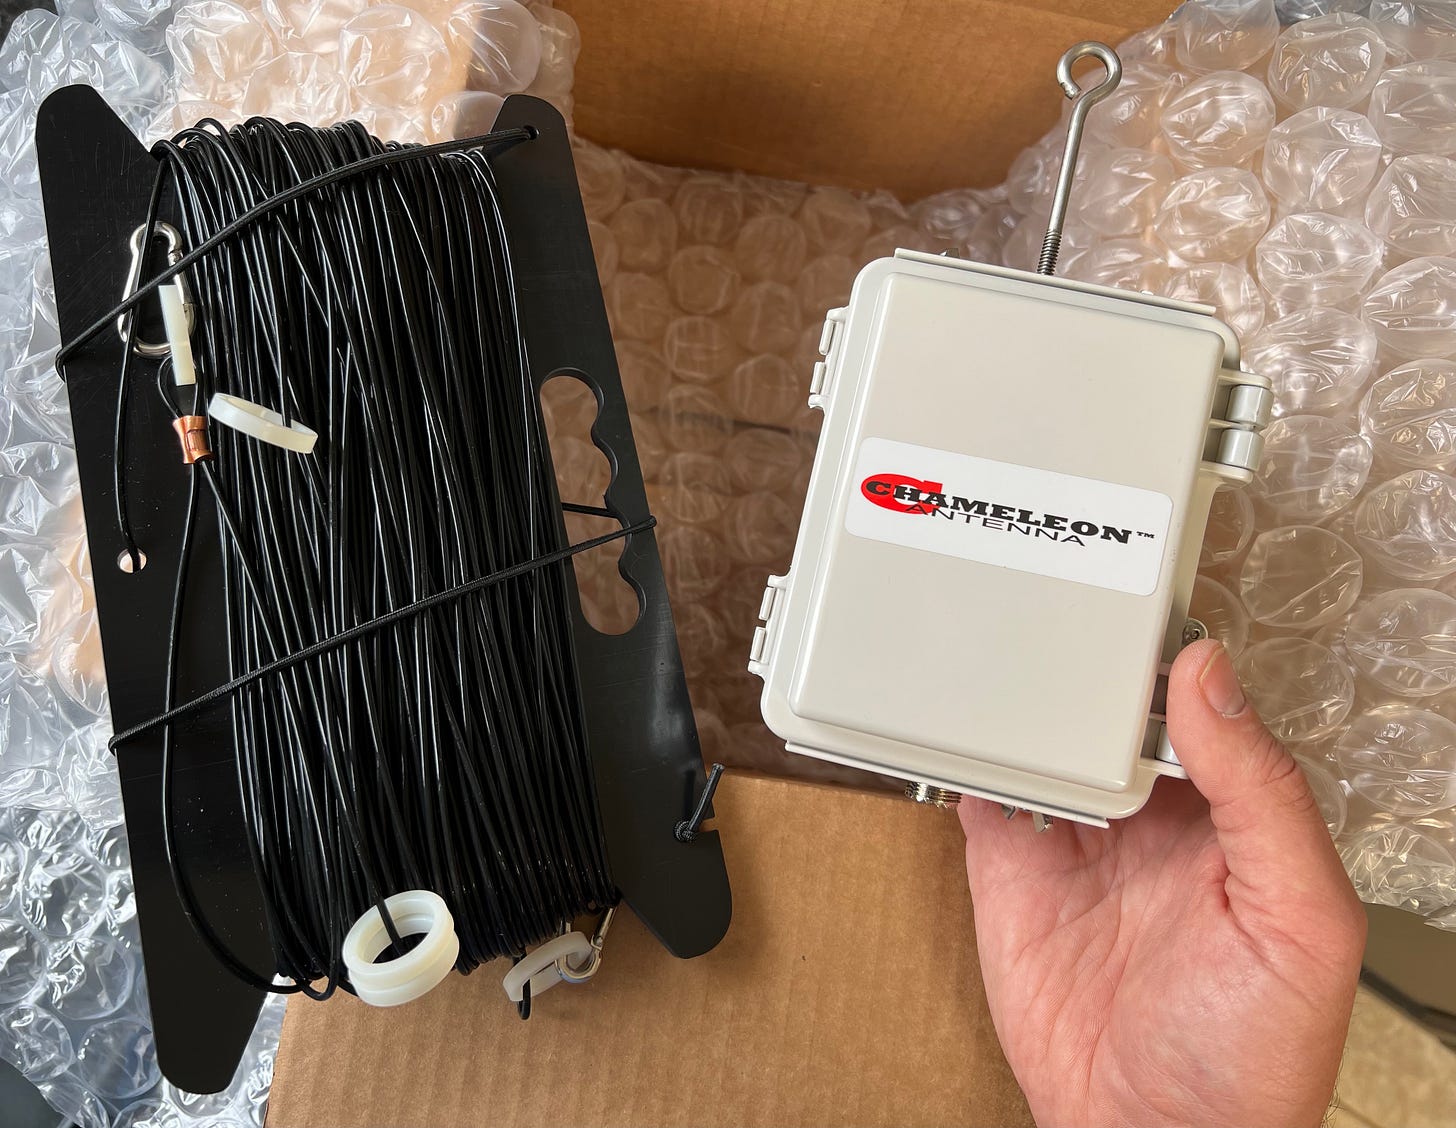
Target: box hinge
(1242, 409)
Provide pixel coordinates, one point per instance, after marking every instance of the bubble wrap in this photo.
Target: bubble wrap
(73, 1014)
(1332, 226)
(430, 70)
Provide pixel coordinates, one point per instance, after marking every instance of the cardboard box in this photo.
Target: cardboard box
(847, 990)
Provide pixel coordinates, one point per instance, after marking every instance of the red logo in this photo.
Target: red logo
(881, 490)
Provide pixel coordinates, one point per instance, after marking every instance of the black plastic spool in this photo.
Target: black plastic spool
(96, 178)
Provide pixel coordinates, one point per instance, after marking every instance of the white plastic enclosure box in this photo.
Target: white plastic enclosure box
(1001, 531)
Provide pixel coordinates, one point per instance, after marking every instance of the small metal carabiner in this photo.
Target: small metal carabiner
(1082, 101)
(581, 974)
(138, 243)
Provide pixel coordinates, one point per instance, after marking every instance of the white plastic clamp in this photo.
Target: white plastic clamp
(179, 333)
(540, 968)
(261, 423)
(415, 912)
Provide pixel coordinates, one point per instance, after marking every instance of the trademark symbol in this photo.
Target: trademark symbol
(1149, 536)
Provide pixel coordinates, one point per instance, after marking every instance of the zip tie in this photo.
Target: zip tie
(415, 912)
(261, 423)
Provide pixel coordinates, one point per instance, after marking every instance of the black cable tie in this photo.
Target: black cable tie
(687, 830)
(273, 204)
(389, 618)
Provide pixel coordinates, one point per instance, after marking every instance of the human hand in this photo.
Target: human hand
(1194, 964)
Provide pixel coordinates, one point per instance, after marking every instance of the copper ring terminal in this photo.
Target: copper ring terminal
(192, 432)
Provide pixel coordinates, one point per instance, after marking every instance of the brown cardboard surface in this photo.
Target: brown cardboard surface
(910, 95)
(846, 992)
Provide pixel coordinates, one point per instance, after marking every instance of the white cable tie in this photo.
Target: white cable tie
(539, 966)
(415, 912)
(179, 339)
(261, 423)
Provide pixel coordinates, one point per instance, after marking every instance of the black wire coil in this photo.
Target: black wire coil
(446, 749)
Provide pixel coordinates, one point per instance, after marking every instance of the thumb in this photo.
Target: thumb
(1270, 829)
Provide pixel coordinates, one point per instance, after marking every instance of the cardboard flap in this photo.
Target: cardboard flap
(916, 96)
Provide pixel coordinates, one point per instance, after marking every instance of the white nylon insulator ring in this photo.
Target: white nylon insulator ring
(415, 912)
(261, 423)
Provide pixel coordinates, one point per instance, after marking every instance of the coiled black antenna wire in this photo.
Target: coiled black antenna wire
(407, 713)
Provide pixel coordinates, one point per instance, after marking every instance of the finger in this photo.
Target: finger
(978, 815)
(1269, 826)
(985, 828)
